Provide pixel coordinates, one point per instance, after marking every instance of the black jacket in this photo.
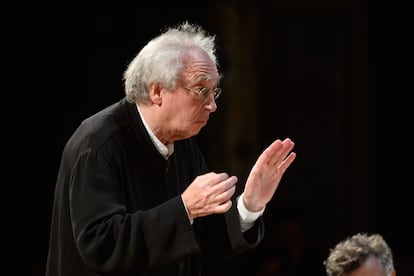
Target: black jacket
(117, 205)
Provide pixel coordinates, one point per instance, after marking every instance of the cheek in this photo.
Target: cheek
(183, 111)
(180, 115)
(190, 111)
(187, 115)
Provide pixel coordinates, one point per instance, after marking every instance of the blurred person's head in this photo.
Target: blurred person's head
(360, 254)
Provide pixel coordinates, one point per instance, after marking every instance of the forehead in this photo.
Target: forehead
(199, 66)
(371, 267)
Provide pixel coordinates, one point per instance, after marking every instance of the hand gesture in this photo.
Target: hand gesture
(209, 194)
(265, 176)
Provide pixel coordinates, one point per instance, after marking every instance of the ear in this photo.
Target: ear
(393, 273)
(154, 91)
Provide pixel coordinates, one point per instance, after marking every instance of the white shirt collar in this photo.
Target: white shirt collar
(164, 150)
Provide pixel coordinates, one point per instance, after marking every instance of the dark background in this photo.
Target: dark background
(328, 74)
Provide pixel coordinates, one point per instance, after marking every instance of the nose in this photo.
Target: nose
(210, 104)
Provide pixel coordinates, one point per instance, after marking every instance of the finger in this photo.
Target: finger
(225, 195)
(287, 147)
(287, 161)
(225, 184)
(281, 151)
(269, 153)
(224, 207)
(275, 151)
(221, 176)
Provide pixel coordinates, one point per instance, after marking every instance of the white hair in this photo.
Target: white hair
(161, 59)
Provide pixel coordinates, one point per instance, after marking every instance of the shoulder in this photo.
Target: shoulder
(100, 128)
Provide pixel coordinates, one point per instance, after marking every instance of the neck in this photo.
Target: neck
(153, 121)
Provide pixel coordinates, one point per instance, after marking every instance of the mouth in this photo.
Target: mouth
(204, 120)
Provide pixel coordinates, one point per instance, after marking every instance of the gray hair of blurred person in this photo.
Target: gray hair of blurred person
(162, 59)
(350, 253)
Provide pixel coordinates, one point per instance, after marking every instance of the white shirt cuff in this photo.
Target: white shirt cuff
(188, 215)
(247, 218)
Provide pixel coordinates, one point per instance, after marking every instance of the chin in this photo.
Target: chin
(196, 128)
(196, 131)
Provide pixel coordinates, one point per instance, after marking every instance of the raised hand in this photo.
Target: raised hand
(265, 176)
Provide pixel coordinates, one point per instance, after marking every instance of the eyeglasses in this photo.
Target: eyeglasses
(203, 92)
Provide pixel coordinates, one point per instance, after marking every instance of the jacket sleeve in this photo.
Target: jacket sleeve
(108, 236)
(222, 237)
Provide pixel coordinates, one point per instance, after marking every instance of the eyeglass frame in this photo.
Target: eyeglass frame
(203, 92)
